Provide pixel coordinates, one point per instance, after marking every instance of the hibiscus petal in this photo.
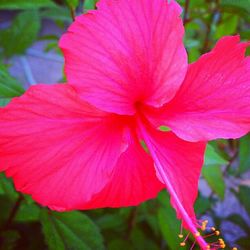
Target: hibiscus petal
(178, 164)
(214, 100)
(133, 181)
(126, 52)
(58, 148)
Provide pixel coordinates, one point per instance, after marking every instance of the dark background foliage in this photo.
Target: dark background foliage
(29, 32)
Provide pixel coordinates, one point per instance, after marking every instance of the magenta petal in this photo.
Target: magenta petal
(126, 52)
(133, 180)
(56, 147)
(214, 100)
(178, 164)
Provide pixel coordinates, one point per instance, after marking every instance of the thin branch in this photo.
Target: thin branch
(185, 15)
(215, 11)
(27, 70)
(132, 220)
(72, 13)
(13, 212)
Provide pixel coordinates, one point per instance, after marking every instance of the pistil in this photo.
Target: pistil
(186, 218)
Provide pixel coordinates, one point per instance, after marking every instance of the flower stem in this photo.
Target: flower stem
(72, 13)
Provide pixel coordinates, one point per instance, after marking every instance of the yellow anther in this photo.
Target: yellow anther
(207, 247)
(213, 228)
(203, 225)
(182, 244)
(217, 232)
(197, 234)
(180, 236)
(223, 246)
(235, 248)
(221, 241)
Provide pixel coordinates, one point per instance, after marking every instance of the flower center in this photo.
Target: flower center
(139, 106)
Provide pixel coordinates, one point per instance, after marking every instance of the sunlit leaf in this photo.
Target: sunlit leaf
(227, 26)
(89, 4)
(213, 176)
(4, 101)
(9, 86)
(212, 157)
(164, 128)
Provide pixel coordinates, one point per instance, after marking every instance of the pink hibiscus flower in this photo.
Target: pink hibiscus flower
(77, 145)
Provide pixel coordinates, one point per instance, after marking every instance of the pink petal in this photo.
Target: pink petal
(126, 52)
(178, 164)
(133, 181)
(58, 148)
(214, 100)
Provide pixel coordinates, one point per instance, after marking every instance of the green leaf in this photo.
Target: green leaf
(71, 230)
(227, 26)
(164, 128)
(202, 204)
(140, 241)
(57, 14)
(110, 221)
(240, 8)
(193, 54)
(169, 225)
(72, 3)
(24, 4)
(214, 178)
(89, 4)
(243, 195)
(21, 34)
(9, 86)
(212, 157)
(119, 244)
(4, 101)
(27, 212)
(244, 6)
(7, 188)
(244, 154)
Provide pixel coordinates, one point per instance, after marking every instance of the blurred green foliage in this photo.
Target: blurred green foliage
(22, 30)
(153, 224)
